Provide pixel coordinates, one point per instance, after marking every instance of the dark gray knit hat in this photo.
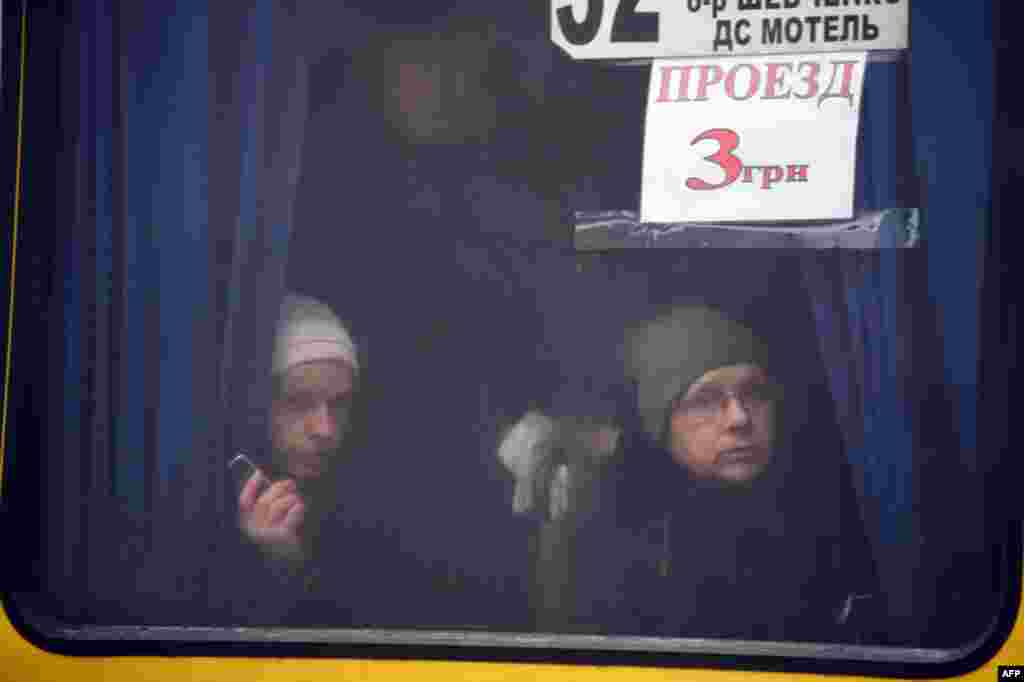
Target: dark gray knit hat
(667, 354)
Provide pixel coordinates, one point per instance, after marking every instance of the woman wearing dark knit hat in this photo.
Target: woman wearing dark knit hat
(709, 524)
(703, 393)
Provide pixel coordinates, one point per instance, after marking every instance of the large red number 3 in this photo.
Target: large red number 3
(727, 141)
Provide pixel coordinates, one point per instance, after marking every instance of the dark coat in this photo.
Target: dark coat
(359, 573)
(339, 585)
(650, 551)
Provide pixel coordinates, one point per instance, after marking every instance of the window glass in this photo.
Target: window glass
(328, 350)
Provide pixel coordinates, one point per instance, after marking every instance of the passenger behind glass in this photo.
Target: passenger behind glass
(315, 369)
(300, 557)
(706, 523)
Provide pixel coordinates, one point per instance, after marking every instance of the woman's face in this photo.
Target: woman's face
(723, 427)
(309, 416)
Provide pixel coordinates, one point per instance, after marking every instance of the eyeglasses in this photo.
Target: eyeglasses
(710, 401)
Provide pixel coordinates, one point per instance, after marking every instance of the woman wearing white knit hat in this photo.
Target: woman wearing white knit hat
(305, 555)
(315, 366)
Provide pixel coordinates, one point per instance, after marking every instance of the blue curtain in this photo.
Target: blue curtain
(271, 117)
(79, 463)
(159, 382)
(252, 132)
(856, 299)
(899, 330)
(142, 312)
(166, 226)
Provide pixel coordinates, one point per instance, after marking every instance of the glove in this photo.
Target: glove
(540, 452)
(527, 451)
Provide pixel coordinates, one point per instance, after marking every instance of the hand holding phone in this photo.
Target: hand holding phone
(269, 513)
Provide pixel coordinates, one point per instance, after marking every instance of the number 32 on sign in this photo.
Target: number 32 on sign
(637, 29)
(766, 138)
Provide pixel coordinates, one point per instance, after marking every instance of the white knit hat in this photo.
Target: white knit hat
(308, 330)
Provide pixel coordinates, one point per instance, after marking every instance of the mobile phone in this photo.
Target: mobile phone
(242, 469)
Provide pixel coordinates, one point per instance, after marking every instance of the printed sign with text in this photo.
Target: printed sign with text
(769, 138)
(636, 29)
